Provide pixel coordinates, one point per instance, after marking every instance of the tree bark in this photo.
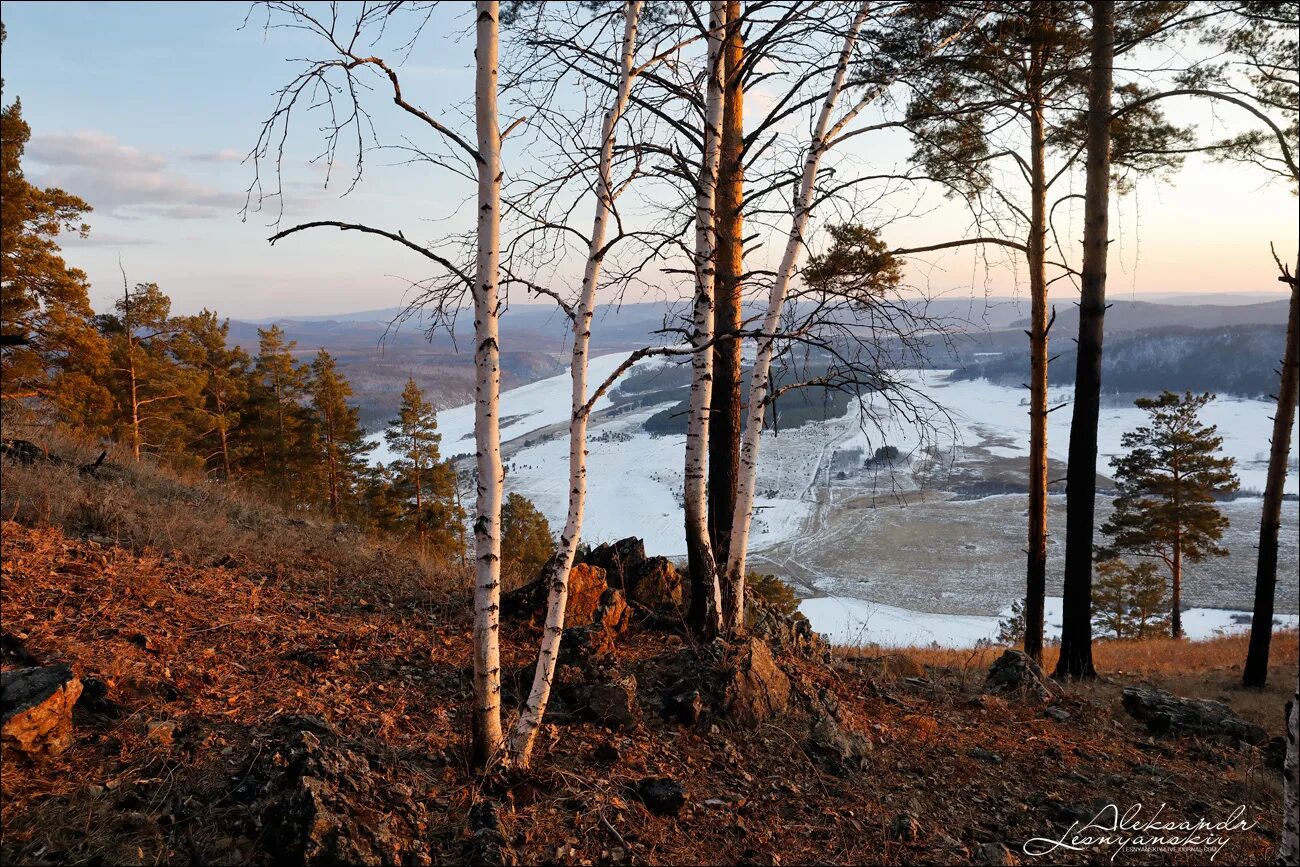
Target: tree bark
(1289, 850)
(1036, 564)
(136, 436)
(1081, 473)
(487, 734)
(706, 604)
(724, 412)
(1270, 521)
(331, 465)
(760, 376)
(524, 735)
(1176, 603)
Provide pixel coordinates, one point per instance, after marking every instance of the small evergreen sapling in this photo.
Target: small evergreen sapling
(1130, 600)
(1168, 482)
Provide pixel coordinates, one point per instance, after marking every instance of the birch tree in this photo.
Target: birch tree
(826, 134)
(524, 735)
(333, 86)
(706, 601)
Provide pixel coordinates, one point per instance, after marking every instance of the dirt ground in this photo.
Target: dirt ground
(236, 654)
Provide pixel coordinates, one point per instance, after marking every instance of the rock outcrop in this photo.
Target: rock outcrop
(1165, 713)
(755, 689)
(587, 586)
(1015, 674)
(323, 803)
(621, 561)
(657, 584)
(36, 709)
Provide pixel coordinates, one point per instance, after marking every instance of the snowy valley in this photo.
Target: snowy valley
(924, 547)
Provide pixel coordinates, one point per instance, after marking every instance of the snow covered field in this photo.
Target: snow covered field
(853, 622)
(979, 408)
(877, 549)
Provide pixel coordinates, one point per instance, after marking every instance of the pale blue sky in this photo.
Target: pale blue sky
(145, 109)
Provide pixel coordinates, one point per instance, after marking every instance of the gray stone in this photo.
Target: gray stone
(1016, 674)
(1165, 713)
(661, 795)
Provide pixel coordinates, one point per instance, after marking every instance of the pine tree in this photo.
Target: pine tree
(1015, 94)
(151, 390)
(1130, 600)
(277, 429)
(202, 345)
(51, 348)
(340, 441)
(1167, 484)
(526, 542)
(424, 484)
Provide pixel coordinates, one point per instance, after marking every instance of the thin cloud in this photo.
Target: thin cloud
(124, 181)
(225, 155)
(90, 150)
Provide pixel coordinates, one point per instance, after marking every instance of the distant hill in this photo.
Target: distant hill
(985, 337)
(1234, 359)
(1138, 315)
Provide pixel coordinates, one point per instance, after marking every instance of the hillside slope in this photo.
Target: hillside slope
(241, 706)
(1238, 360)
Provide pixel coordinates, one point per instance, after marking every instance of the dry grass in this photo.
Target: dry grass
(146, 507)
(1156, 656)
(1197, 669)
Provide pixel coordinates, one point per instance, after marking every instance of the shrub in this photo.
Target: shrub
(778, 595)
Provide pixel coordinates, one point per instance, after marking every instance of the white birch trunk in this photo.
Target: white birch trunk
(760, 376)
(706, 599)
(488, 739)
(525, 731)
(1289, 850)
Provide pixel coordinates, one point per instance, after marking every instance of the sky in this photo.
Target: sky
(147, 111)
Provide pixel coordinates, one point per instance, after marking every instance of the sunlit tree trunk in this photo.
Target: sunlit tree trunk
(487, 735)
(1176, 600)
(136, 436)
(1081, 473)
(525, 732)
(760, 378)
(1036, 565)
(706, 603)
(1289, 850)
(1270, 521)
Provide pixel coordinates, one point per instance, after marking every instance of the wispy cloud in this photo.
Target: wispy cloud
(225, 155)
(125, 181)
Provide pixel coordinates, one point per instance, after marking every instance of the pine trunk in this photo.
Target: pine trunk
(1036, 565)
(706, 604)
(487, 734)
(760, 376)
(1289, 850)
(1270, 522)
(530, 720)
(135, 399)
(225, 447)
(724, 412)
(1176, 603)
(1081, 473)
